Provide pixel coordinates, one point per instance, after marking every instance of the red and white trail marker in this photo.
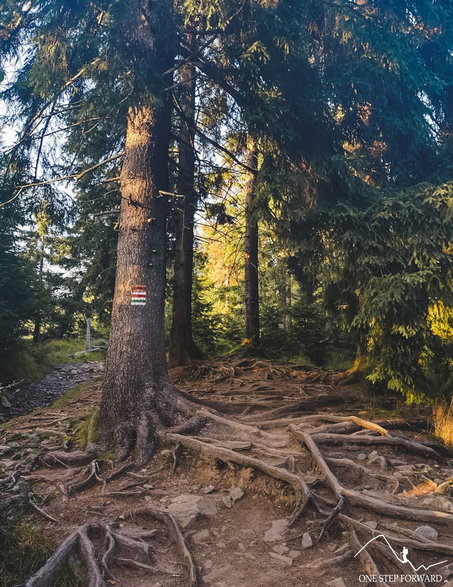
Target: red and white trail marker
(138, 295)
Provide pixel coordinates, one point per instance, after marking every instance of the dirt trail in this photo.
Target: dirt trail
(284, 484)
(54, 384)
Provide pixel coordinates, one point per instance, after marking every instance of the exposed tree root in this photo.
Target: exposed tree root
(406, 443)
(297, 482)
(277, 443)
(392, 535)
(35, 506)
(368, 564)
(80, 548)
(275, 439)
(67, 459)
(177, 537)
(93, 476)
(347, 426)
(387, 554)
(370, 503)
(310, 404)
(78, 545)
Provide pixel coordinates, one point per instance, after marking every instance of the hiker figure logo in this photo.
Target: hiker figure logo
(415, 573)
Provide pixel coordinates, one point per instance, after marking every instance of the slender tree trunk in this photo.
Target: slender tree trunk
(288, 303)
(252, 312)
(183, 349)
(38, 319)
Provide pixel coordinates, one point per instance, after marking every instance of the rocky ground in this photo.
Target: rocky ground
(23, 399)
(283, 488)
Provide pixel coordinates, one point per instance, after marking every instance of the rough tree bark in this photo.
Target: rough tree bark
(252, 313)
(138, 399)
(183, 349)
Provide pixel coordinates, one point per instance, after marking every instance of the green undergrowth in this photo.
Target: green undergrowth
(88, 429)
(73, 394)
(28, 362)
(71, 351)
(25, 548)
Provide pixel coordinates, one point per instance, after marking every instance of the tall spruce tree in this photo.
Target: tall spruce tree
(183, 349)
(79, 52)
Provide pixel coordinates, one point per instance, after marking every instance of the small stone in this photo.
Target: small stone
(443, 503)
(186, 508)
(405, 469)
(242, 546)
(426, 532)
(294, 554)
(307, 541)
(236, 494)
(337, 583)
(284, 559)
(5, 402)
(276, 531)
(208, 564)
(342, 549)
(227, 502)
(361, 456)
(221, 544)
(96, 509)
(201, 536)
(218, 572)
(280, 548)
(208, 489)
(371, 524)
(373, 454)
(121, 517)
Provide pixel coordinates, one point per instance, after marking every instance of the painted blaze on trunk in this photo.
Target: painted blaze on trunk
(136, 383)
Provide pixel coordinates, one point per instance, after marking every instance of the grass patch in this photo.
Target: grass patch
(28, 362)
(443, 421)
(73, 394)
(70, 351)
(338, 360)
(301, 361)
(25, 548)
(88, 430)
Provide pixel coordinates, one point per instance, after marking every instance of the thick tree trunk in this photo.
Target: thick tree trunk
(136, 364)
(252, 313)
(183, 349)
(138, 399)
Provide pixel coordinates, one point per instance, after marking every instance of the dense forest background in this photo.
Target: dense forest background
(309, 202)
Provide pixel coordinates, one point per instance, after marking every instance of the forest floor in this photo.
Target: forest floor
(281, 489)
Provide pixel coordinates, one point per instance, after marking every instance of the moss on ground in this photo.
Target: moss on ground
(73, 393)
